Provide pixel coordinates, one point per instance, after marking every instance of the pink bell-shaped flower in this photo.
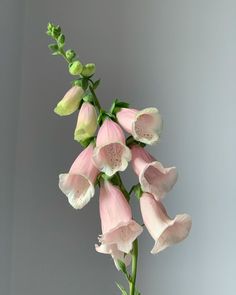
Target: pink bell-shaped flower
(153, 177)
(144, 125)
(86, 123)
(118, 227)
(165, 231)
(70, 102)
(111, 154)
(78, 183)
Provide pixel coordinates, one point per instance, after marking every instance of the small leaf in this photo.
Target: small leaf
(53, 47)
(61, 40)
(122, 289)
(96, 84)
(136, 292)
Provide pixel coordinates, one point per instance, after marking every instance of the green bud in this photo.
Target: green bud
(75, 68)
(88, 70)
(70, 54)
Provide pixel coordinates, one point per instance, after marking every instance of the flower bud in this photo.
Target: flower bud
(70, 54)
(88, 70)
(86, 123)
(75, 68)
(70, 102)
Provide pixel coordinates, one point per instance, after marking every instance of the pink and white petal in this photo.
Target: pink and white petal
(157, 180)
(109, 132)
(147, 126)
(123, 235)
(126, 117)
(78, 189)
(176, 231)
(112, 157)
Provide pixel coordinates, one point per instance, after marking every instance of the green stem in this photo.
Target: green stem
(134, 267)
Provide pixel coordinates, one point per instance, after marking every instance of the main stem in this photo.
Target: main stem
(134, 267)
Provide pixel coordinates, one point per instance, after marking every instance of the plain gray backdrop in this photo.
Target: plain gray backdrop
(179, 56)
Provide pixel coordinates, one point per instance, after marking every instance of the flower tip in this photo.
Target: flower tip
(61, 111)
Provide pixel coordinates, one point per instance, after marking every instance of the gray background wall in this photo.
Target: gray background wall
(176, 55)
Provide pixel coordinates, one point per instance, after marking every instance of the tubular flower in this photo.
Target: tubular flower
(144, 125)
(86, 123)
(78, 183)
(119, 230)
(111, 154)
(70, 102)
(165, 231)
(153, 177)
(115, 254)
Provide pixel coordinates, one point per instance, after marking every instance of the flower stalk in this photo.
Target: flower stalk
(107, 152)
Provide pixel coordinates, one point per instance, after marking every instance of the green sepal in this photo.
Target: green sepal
(122, 266)
(82, 82)
(131, 141)
(122, 289)
(137, 190)
(88, 98)
(87, 141)
(102, 116)
(117, 105)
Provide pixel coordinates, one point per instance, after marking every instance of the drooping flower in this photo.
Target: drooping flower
(115, 254)
(70, 102)
(165, 231)
(118, 227)
(86, 123)
(153, 177)
(78, 183)
(144, 125)
(111, 154)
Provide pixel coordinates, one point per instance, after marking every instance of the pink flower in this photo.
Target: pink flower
(78, 184)
(86, 123)
(70, 102)
(118, 227)
(111, 154)
(144, 125)
(153, 177)
(115, 254)
(165, 231)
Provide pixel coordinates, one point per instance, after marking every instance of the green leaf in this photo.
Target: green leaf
(53, 47)
(61, 40)
(96, 84)
(136, 292)
(122, 289)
